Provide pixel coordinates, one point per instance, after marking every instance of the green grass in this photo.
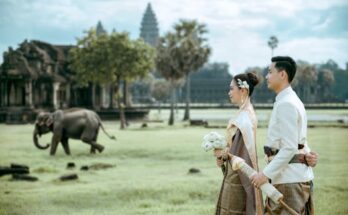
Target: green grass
(150, 175)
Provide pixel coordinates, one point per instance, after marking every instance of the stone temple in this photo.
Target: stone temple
(36, 76)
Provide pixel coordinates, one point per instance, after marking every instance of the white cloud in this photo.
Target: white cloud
(240, 50)
(316, 50)
(323, 26)
(236, 28)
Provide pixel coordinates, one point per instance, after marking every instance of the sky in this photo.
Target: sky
(310, 30)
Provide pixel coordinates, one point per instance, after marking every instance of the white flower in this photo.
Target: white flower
(213, 140)
(243, 84)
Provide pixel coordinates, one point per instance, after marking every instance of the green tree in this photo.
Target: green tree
(166, 49)
(191, 53)
(110, 59)
(143, 58)
(305, 81)
(326, 80)
(339, 90)
(160, 90)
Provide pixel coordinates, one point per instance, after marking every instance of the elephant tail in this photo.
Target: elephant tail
(102, 127)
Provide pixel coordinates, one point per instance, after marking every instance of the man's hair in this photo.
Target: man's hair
(285, 63)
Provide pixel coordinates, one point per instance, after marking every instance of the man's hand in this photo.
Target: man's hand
(259, 179)
(312, 159)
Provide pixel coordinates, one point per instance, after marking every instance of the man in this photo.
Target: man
(289, 158)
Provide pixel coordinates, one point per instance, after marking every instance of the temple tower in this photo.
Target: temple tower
(149, 27)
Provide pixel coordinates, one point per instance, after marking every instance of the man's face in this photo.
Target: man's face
(274, 77)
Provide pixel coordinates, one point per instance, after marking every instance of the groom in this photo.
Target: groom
(289, 158)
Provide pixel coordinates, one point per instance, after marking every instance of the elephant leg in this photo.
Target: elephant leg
(95, 140)
(96, 135)
(88, 137)
(54, 145)
(65, 143)
(97, 146)
(92, 150)
(94, 145)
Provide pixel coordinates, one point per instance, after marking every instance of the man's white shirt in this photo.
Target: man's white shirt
(287, 128)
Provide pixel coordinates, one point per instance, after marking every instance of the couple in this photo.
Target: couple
(289, 160)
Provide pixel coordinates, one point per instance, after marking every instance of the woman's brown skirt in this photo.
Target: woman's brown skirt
(232, 199)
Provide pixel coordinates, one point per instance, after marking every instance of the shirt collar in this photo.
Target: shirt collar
(283, 93)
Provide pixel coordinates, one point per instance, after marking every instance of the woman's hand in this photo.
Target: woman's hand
(222, 153)
(217, 153)
(219, 162)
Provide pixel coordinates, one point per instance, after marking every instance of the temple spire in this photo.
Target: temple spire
(149, 26)
(100, 29)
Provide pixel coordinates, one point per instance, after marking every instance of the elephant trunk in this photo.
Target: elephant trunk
(36, 141)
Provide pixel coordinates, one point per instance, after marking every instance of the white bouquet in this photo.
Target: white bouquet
(213, 140)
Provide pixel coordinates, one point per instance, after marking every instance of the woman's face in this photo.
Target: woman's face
(235, 93)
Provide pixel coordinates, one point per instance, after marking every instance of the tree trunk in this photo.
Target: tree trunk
(176, 108)
(171, 117)
(120, 105)
(111, 96)
(159, 107)
(94, 105)
(126, 95)
(188, 99)
(306, 94)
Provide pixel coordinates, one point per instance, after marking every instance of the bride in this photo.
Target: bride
(237, 194)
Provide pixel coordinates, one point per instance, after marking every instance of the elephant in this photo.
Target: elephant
(75, 123)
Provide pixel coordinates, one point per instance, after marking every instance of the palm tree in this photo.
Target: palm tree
(273, 43)
(166, 53)
(192, 52)
(160, 91)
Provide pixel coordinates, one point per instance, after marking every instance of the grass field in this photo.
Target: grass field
(150, 174)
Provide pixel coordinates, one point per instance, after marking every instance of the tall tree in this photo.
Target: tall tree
(160, 91)
(191, 53)
(305, 81)
(111, 59)
(326, 80)
(143, 54)
(165, 65)
(273, 43)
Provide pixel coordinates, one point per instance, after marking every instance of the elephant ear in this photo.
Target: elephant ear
(49, 120)
(57, 118)
(40, 119)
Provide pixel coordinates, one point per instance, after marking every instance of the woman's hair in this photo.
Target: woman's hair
(251, 79)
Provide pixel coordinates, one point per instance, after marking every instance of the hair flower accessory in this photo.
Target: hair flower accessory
(243, 84)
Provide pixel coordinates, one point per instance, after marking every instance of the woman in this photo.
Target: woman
(238, 195)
